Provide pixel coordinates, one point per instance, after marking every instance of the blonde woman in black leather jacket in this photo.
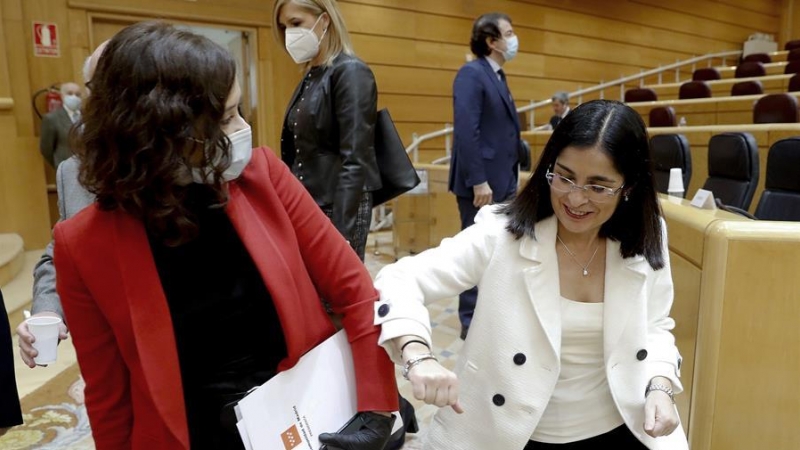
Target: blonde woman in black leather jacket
(329, 126)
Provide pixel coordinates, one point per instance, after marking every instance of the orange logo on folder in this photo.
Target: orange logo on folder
(291, 438)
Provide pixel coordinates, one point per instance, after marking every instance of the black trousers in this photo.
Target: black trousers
(10, 413)
(469, 298)
(619, 438)
(363, 222)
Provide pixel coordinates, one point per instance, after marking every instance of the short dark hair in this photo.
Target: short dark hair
(486, 26)
(158, 96)
(618, 130)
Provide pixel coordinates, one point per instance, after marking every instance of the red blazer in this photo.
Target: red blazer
(120, 321)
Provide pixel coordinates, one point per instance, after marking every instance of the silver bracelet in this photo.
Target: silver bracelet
(660, 387)
(416, 360)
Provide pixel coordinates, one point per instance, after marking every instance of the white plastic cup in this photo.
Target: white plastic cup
(45, 330)
(675, 182)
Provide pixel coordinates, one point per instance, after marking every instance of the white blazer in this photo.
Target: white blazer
(510, 362)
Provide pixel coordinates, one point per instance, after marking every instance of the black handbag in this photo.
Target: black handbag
(396, 169)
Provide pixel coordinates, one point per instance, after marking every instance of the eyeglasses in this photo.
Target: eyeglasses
(594, 192)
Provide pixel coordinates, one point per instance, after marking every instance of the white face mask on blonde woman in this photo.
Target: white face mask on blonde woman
(302, 43)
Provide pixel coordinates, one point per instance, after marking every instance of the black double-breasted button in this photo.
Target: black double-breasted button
(383, 310)
(641, 355)
(499, 400)
(519, 359)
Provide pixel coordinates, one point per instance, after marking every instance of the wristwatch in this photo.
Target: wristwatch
(662, 388)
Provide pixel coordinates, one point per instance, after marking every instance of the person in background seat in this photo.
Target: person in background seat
(560, 104)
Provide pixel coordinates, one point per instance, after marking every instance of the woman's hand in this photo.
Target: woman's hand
(430, 381)
(660, 415)
(372, 432)
(435, 385)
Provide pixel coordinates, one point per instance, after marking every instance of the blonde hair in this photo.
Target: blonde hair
(336, 39)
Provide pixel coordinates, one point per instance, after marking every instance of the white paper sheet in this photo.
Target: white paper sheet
(317, 395)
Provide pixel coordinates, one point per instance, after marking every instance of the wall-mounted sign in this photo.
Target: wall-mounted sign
(45, 40)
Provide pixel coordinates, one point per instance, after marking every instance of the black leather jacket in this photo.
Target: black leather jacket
(332, 148)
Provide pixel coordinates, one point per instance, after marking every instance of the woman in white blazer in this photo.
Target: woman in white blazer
(571, 344)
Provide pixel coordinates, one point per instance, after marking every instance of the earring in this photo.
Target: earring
(626, 197)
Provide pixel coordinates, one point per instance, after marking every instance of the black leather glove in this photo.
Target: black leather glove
(370, 431)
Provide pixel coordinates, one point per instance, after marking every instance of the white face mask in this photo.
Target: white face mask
(72, 102)
(512, 47)
(241, 152)
(302, 43)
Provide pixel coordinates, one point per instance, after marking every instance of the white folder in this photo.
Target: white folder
(317, 395)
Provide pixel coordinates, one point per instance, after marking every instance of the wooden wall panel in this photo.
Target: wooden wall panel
(564, 46)
(236, 12)
(23, 197)
(663, 16)
(415, 47)
(790, 21)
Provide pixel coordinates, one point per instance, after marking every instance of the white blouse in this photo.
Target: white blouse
(581, 406)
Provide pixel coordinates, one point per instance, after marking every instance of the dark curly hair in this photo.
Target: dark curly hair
(157, 98)
(619, 131)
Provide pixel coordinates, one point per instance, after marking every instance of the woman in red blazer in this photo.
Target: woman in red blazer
(198, 272)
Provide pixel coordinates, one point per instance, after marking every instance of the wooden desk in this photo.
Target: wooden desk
(773, 68)
(686, 227)
(421, 221)
(779, 55)
(698, 137)
(772, 84)
(746, 390)
(707, 111)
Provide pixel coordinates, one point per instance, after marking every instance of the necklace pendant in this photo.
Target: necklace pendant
(585, 273)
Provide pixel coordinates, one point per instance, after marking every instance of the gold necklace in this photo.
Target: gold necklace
(572, 255)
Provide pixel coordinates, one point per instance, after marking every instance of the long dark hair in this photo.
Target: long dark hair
(157, 98)
(619, 131)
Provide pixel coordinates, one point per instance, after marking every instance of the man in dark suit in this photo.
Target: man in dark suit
(483, 168)
(560, 102)
(54, 139)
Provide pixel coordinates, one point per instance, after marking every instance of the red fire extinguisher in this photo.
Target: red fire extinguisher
(52, 99)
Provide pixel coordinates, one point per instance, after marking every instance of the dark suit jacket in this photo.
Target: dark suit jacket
(485, 132)
(120, 321)
(54, 139)
(10, 414)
